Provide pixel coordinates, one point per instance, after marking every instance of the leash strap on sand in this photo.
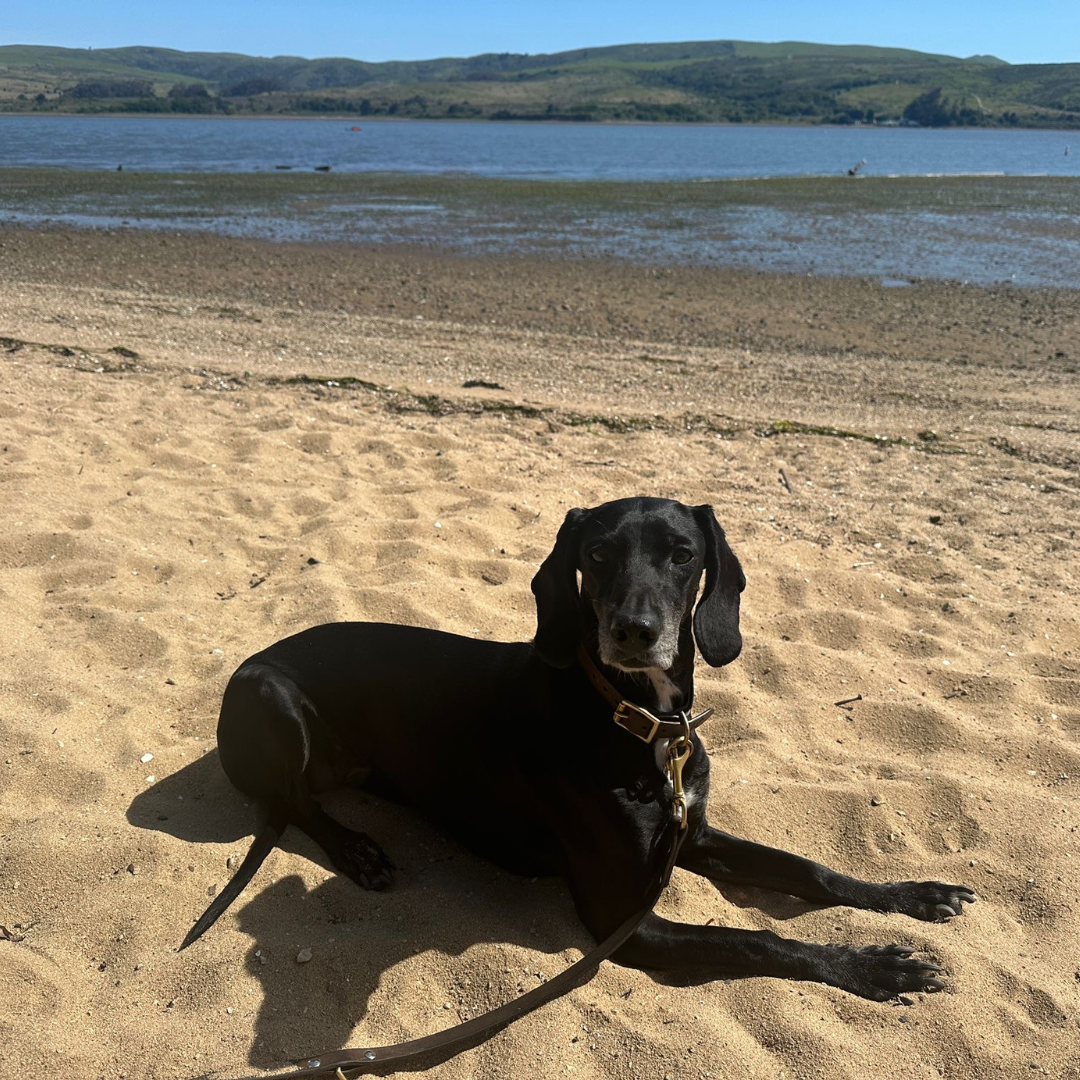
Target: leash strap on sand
(472, 1032)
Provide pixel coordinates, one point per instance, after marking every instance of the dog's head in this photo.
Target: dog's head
(640, 562)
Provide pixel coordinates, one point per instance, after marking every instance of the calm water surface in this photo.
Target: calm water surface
(537, 150)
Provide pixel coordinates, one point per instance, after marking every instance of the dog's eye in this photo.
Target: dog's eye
(682, 556)
(598, 556)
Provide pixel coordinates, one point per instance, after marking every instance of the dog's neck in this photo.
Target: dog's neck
(661, 691)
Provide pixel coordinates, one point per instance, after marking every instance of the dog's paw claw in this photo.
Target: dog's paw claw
(882, 972)
(932, 901)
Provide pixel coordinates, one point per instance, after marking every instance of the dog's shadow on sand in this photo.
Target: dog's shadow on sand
(444, 900)
(778, 906)
(196, 803)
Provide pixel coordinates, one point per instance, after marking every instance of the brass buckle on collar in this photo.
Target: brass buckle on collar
(638, 721)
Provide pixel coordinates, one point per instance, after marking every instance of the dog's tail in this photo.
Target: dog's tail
(265, 841)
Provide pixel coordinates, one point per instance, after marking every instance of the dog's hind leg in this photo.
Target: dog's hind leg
(265, 745)
(352, 852)
(270, 749)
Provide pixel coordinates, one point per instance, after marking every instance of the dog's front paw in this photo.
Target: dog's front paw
(879, 972)
(932, 901)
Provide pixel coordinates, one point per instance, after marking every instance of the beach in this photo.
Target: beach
(209, 443)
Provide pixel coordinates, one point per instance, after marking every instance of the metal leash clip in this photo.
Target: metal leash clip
(678, 754)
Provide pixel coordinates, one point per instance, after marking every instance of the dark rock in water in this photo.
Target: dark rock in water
(282, 166)
(322, 168)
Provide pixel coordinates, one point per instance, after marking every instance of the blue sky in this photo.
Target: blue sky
(1044, 31)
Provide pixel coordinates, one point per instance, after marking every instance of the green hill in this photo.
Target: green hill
(735, 81)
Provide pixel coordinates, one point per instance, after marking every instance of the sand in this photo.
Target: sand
(171, 502)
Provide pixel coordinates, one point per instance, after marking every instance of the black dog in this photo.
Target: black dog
(511, 748)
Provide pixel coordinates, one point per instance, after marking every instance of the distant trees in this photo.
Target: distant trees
(932, 109)
(928, 109)
(322, 104)
(261, 84)
(111, 88)
(188, 90)
(462, 110)
(191, 98)
(137, 95)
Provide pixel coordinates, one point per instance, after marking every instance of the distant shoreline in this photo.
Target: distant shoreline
(361, 121)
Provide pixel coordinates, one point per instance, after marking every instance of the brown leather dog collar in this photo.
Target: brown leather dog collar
(634, 718)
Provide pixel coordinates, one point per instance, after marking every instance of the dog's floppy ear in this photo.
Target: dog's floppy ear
(716, 620)
(558, 605)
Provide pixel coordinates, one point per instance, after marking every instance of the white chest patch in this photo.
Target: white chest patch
(663, 687)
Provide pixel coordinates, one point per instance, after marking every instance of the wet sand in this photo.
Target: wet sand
(166, 482)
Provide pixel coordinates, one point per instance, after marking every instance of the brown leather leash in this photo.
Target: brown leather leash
(645, 726)
(471, 1032)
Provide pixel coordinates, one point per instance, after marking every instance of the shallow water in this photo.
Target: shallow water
(955, 247)
(1023, 231)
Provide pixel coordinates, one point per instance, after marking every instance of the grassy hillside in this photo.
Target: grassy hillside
(737, 81)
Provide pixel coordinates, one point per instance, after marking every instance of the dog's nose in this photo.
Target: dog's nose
(640, 629)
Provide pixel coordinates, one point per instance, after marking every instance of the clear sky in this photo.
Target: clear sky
(1042, 31)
